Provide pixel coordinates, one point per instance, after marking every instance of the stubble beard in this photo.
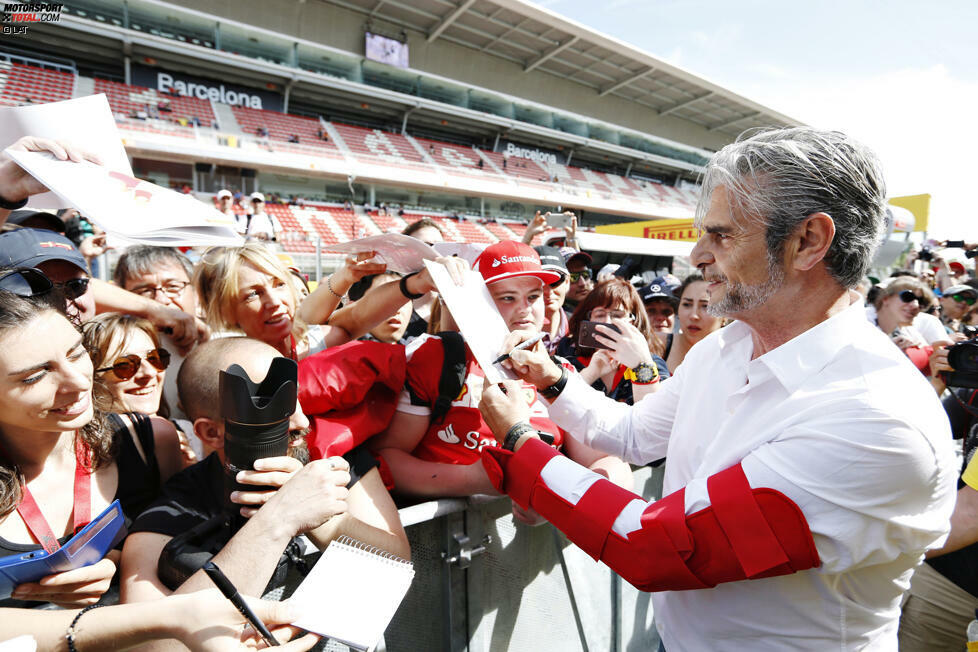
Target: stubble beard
(741, 297)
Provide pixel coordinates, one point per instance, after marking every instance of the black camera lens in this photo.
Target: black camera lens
(256, 417)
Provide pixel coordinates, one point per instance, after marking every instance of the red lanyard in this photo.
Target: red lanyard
(295, 356)
(81, 512)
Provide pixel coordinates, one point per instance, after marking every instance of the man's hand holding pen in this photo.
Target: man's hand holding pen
(532, 364)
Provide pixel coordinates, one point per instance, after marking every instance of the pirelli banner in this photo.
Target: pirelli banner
(681, 230)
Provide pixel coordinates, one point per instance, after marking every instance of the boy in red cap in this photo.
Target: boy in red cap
(433, 457)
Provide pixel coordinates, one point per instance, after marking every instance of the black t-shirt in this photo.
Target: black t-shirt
(139, 484)
(196, 495)
(961, 566)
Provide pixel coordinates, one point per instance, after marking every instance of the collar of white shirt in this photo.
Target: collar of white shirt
(801, 357)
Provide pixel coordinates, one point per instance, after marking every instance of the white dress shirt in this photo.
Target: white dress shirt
(839, 421)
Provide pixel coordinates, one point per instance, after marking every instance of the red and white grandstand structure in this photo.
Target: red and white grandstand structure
(281, 98)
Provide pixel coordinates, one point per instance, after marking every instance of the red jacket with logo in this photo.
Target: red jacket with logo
(462, 433)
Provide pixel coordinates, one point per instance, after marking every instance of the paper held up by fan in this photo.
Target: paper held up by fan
(128, 209)
(401, 253)
(475, 313)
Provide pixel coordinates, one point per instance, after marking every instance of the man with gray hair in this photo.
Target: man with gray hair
(809, 465)
(162, 274)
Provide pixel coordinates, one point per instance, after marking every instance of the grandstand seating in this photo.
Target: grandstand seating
(455, 159)
(501, 231)
(20, 82)
(526, 170)
(388, 223)
(281, 126)
(376, 145)
(128, 100)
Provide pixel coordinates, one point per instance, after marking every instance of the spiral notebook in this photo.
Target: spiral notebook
(352, 592)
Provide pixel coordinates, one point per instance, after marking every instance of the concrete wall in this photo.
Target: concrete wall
(320, 22)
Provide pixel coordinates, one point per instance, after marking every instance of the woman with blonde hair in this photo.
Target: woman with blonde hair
(249, 290)
(896, 306)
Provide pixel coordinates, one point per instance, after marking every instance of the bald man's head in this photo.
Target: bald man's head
(198, 380)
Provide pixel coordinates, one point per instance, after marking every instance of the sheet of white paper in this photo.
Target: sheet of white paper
(24, 643)
(402, 253)
(350, 595)
(477, 317)
(464, 250)
(130, 209)
(86, 122)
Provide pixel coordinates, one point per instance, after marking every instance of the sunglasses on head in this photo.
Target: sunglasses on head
(575, 276)
(126, 366)
(907, 296)
(25, 282)
(964, 298)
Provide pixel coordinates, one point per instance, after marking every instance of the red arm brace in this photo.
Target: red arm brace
(745, 533)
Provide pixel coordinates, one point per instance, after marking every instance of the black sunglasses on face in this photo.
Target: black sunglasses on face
(907, 296)
(74, 288)
(126, 366)
(25, 282)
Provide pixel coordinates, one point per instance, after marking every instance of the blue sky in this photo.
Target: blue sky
(900, 76)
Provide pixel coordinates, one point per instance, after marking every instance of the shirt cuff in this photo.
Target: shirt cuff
(570, 409)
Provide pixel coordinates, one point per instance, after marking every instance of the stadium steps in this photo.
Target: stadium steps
(84, 86)
(336, 137)
(500, 231)
(225, 118)
(127, 99)
(362, 221)
(422, 151)
(492, 164)
(387, 223)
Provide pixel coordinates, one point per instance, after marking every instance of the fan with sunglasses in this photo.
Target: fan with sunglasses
(28, 282)
(125, 367)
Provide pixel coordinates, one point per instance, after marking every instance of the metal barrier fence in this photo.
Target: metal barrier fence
(484, 583)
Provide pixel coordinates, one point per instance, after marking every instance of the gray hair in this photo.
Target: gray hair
(781, 176)
(146, 259)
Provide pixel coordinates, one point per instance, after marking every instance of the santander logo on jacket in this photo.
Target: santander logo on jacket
(462, 434)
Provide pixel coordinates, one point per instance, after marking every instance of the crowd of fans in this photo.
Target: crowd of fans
(121, 379)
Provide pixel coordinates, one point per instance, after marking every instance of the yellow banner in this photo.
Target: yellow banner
(681, 230)
(919, 205)
(684, 231)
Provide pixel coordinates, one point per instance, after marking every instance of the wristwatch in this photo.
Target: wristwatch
(553, 391)
(643, 374)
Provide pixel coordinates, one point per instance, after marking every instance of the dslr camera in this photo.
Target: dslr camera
(256, 425)
(963, 358)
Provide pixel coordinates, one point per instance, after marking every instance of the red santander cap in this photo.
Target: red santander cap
(508, 259)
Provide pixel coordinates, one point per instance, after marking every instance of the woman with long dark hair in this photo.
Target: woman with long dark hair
(59, 465)
(628, 370)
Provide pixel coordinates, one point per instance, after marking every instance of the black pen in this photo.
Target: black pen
(231, 593)
(519, 347)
